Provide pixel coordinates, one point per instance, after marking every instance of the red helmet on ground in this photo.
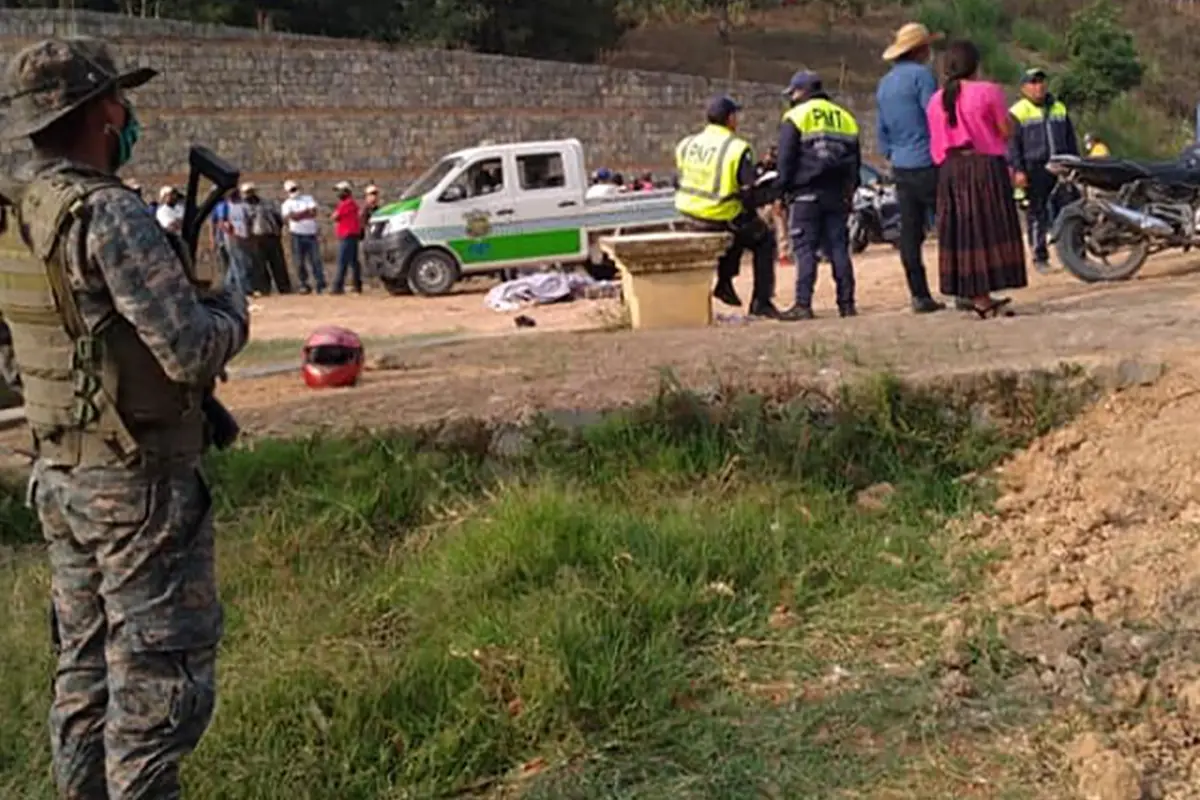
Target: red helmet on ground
(332, 357)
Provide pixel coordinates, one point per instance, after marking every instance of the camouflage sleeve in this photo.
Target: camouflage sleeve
(192, 338)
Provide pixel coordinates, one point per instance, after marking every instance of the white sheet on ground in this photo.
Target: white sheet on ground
(540, 288)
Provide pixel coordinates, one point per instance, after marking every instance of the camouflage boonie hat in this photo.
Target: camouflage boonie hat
(48, 80)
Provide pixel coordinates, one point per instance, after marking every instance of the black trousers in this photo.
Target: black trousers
(751, 233)
(1041, 211)
(276, 264)
(270, 266)
(916, 193)
(820, 225)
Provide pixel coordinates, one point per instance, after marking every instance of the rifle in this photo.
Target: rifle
(203, 162)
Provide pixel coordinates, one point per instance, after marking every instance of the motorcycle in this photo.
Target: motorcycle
(874, 216)
(1126, 207)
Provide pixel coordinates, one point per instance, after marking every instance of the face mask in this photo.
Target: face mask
(127, 137)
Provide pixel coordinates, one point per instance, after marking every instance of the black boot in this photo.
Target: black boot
(726, 294)
(926, 305)
(764, 310)
(797, 313)
(847, 311)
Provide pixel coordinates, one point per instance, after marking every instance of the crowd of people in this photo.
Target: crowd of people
(959, 154)
(247, 231)
(606, 183)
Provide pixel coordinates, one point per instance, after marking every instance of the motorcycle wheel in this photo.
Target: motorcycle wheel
(1073, 251)
(859, 236)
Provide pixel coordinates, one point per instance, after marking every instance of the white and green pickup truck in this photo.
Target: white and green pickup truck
(493, 208)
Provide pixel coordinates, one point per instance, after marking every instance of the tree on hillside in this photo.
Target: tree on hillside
(570, 30)
(1102, 59)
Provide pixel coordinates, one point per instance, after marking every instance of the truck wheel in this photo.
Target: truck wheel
(431, 273)
(396, 288)
(606, 270)
(394, 276)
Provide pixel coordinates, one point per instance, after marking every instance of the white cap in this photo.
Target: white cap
(342, 186)
(372, 189)
(290, 186)
(164, 191)
(248, 187)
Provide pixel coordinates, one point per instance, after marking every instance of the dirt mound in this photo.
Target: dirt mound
(1100, 526)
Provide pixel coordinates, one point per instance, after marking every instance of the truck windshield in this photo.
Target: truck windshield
(432, 177)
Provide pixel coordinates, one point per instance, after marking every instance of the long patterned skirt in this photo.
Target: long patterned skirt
(980, 246)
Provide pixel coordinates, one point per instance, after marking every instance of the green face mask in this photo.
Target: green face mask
(127, 137)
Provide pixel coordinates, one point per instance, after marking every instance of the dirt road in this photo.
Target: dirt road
(563, 364)
(570, 361)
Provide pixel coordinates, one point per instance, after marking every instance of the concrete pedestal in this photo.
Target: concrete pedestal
(667, 277)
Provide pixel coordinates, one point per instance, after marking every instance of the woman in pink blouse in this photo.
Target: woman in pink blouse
(980, 248)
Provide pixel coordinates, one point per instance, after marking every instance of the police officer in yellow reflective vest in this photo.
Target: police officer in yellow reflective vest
(819, 161)
(1044, 129)
(716, 179)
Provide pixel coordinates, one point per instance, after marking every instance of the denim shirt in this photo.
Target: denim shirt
(902, 128)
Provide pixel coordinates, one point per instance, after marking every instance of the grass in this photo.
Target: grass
(1134, 129)
(1036, 36)
(684, 601)
(17, 522)
(986, 23)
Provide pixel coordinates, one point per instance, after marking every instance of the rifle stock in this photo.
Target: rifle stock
(203, 162)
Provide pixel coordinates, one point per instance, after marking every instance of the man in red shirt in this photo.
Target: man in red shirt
(347, 226)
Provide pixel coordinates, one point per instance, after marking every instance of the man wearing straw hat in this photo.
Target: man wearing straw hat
(903, 134)
(116, 348)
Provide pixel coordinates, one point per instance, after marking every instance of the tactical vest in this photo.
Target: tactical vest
(708, 165)
(95, 396)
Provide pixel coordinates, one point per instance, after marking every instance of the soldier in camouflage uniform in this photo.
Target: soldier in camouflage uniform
(115, 347)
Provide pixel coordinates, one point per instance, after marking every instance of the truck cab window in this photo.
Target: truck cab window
(541, 171)
(481, 178)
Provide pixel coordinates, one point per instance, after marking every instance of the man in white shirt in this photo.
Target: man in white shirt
(300, 213)
(602, 185)
(170, 211)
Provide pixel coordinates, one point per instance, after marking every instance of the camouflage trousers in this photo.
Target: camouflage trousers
(136, 622)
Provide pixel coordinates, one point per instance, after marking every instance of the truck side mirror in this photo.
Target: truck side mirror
(453, 194)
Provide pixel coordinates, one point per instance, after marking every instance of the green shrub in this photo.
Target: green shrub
(1103, 61)
(982, 21)
(1134, 129)
(1033, 35)
(981, 15)
(939, 15)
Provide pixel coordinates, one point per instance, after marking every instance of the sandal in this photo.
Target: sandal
(994, 309)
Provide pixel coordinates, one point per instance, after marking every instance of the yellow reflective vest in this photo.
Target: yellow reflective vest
(819, 118)
(1042, 132)
(708, 183)
(829, 146)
